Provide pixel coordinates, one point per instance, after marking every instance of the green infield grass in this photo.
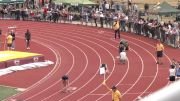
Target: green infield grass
(6, 92)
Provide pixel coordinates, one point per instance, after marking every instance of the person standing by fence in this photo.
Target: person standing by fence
(101, 19)
(95, 18)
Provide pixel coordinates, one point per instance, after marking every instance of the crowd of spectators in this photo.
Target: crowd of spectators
(100, 16)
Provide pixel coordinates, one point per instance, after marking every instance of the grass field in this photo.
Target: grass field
(6, 92)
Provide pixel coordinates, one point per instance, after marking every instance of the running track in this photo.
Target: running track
(79, 51)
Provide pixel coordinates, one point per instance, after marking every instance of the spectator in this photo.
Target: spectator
(101, 19)
(95, 18)
(81, 17)
(23, 13)
(45, 10)
(177, 37)
(178, 69)
(70, 17)
(178, 64)
(17, 14)
(91, 18)
(55, 16)
(130, 22)
(86, 18)
(140, 23)
(123, 22)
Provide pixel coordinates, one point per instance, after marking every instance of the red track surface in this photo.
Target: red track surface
(78, 51)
